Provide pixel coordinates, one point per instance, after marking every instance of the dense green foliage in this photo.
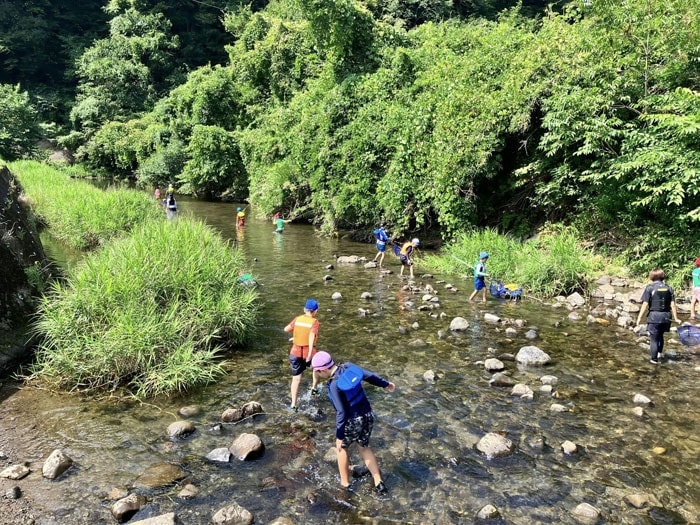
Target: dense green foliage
(78, 213)
(148, 313)
(429, 115)
(18, 126)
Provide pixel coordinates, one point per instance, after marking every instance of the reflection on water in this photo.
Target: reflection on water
(425, 432)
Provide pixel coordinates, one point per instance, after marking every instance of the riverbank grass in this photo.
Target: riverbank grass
(555, 262)
(79, 214)
(151, 313)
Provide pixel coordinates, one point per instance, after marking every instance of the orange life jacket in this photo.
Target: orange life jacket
(407, 248)
(300, 336)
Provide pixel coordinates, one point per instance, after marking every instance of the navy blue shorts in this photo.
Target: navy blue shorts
(479, 283)
(358, 430)
(299, 364)
(381, 247)
(405, 260)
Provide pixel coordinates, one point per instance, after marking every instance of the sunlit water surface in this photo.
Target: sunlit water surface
(425, 432)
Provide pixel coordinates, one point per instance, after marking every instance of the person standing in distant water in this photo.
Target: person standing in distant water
(695, 299)
(406, 255)
(279, 223)
(156, 194)
(659, 301)
(304, 330)
(170, 188)
(480, 276)
(354, 418)
(382, 238)
(240, 217)
(170, 206)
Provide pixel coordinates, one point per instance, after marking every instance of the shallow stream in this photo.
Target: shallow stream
(425, 432)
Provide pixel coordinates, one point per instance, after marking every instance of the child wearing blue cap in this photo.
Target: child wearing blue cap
(480, 276)
(304, 330)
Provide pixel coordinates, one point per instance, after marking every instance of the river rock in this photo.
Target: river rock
(639, 501)
(56, 464)
(15, 472)
(532, 355)
(556, 407)
(521, 390)
(546, 389)
(459, 323)
(337, 296)
(188, 411)
(493, 365)
(488, 512)
(281, 520)
(164, 519)
(232, 515)
(366, 296)
(506, 357)
(569, 448)
(429, 376)
(638, 411)
(494, 445)
(219, 455)
(189, 491)
(586, 513)
(531, 335)
(415, 325)
(640, 399)
(511, 332)
(160, 475)
(247, 446)
(574, 316)
(348, 259)
(625, 321)
(491, 318)
(233, 415)
(501, 379)
(180, 429)
(327, 277)
(371, 264)
(575, 300)
(13, 493)
(549, 380)
(417, 343)
(125, 508)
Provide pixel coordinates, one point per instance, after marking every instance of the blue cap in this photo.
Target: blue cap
(311, 304)
(484, 255)
(238, 209)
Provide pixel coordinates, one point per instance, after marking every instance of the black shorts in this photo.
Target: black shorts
(358, 430)
(405, 260)
(299, 364)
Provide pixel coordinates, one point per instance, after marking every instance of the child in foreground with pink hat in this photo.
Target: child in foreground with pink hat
(354, 417)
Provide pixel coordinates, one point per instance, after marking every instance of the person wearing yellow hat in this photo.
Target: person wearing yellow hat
(304, 330)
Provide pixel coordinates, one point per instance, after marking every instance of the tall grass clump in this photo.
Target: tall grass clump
(150, 313)
(461, 255)
(79, 214)
(555, 262)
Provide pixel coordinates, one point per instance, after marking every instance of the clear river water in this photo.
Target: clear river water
(425, 432)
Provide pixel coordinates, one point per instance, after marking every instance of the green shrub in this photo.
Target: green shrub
(555, 262)
(149, 313)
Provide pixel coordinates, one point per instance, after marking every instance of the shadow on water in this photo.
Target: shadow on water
(426, 432)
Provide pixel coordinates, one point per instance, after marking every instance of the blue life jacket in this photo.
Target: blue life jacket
(381, 236)
(350, 384)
